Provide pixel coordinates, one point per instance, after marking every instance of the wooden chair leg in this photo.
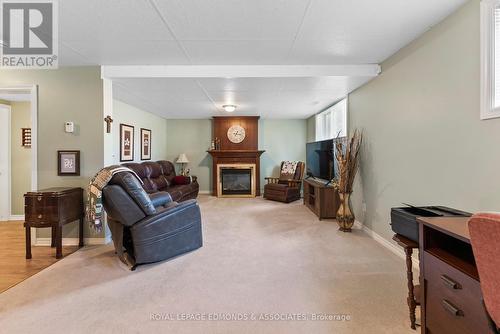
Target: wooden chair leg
(80, 235)
(28, 241)
(59, 242)
(412, 305)
(53, 237)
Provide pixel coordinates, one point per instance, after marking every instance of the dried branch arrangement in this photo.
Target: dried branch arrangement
(347, 155)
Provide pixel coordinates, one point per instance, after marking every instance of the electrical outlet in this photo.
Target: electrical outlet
(364, 207)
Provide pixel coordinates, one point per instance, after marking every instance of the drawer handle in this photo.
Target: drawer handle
(39, 216)
(450, 283)
(452, 309)
(39, 198)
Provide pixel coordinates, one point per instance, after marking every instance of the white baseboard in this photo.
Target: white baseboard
(74, 241)
(16, 217)
(204, 192)
(389, 245)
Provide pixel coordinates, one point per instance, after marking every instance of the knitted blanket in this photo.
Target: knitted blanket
(288, 169)
(94, 210)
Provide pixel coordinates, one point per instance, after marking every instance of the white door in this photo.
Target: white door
(4, 162)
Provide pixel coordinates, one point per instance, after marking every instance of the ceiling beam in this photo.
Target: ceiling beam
(238, 71)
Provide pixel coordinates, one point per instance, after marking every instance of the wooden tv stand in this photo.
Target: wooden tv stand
(323, 200)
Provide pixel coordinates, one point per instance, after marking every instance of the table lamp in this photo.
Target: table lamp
(182, 159)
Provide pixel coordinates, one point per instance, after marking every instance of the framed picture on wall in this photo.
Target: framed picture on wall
(145, 144)
(68, 163)
(126, 142)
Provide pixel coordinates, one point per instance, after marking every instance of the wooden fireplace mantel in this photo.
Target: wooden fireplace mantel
(235, 153)
(235, 157)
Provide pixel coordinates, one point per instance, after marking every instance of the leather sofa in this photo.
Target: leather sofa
(149, 227)
(159, 176)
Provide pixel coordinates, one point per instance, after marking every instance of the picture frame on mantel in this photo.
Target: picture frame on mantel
(126, 142)
(68, 163)
(145, 144)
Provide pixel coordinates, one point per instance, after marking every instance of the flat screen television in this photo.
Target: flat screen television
(320, 160)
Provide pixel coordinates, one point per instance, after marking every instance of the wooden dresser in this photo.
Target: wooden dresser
(451, 296)
(53, 207)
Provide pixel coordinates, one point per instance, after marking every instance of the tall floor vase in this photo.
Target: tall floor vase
(345, 216)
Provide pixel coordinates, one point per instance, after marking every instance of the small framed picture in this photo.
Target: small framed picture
(68, 163)
(145, 144)
(126, 142)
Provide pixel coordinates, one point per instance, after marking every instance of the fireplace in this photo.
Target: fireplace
(236, 180)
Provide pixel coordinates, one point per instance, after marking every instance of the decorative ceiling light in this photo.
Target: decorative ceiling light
(229, 107)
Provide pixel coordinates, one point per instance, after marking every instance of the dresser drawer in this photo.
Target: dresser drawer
(40, 208)
(453, 299)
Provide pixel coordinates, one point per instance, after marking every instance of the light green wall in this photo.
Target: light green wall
(67, 94)
(282, 140)
(424, 141)
(311, 129)
(20, 157)
(193, 137)
(127, 114)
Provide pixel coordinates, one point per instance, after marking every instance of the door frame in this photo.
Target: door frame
(9, 160)
(32, 90)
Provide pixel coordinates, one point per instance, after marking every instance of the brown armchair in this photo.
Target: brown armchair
(285, 188)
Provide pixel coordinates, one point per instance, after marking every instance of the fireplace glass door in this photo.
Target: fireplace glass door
(236, 181)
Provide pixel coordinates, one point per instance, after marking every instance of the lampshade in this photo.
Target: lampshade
(182, 159)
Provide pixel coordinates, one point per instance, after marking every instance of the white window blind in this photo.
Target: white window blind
(496, 102)
(490, 59)
(332, 122)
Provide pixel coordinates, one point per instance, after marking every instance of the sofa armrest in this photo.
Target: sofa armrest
(185, 210)
(160, 198)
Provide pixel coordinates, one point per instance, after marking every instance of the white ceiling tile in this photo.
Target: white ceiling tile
(326, 52)
(98, 20)
(160, 84)
(241, 84)
(368, 19)
(69, 57)
(242, 52)
(131, 52)
(233, 20)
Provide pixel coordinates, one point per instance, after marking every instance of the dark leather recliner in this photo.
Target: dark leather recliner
(149, 228)
(159, 176)
(285, 188)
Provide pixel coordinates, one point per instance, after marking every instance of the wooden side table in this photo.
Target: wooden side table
(53, 207)
(413, 290)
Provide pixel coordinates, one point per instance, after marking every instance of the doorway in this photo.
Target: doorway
(18, 148)
(5, 205)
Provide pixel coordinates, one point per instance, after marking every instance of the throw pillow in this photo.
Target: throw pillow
(180, 180)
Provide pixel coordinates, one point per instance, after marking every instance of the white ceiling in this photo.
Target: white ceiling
(240, 32)
(204, 97)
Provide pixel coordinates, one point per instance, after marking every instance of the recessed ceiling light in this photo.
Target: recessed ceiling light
(229, 107)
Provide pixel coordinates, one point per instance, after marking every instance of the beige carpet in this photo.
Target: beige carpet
(260, 259)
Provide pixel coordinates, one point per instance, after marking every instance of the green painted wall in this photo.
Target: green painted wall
(282, 140)
(127, 114)
(193, 137)
(424, 141)
(66, 94)
(20, 157)
(311, 129)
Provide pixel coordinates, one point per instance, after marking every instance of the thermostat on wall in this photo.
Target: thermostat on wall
(69, 127)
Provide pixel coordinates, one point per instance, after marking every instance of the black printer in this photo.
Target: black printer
(404, 219)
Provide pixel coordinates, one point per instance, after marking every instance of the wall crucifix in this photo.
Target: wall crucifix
(108, 121)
